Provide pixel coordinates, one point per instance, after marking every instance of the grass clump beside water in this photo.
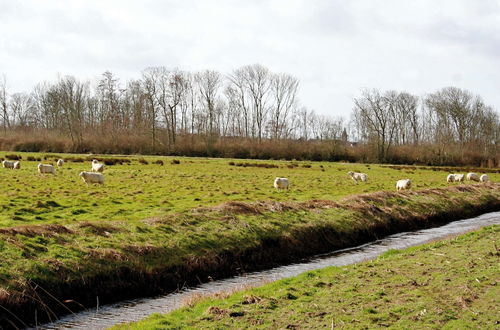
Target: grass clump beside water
(450, 284)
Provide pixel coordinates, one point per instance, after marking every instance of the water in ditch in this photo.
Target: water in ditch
(137, 309)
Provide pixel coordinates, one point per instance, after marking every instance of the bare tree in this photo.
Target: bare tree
(328, 128)
(209, 83)
(70, 96)
(190, 104)
(257, 80)
(375, 113)
(22, 109)
(110, 115)
(4, 104)
(135, 101)
(238, 95)
(177, 88)
(45, 101)
(284, 91)
(305, 123)
(407, 119)
(452, 106)
(461, 118)
(149, 80)
(162, 99)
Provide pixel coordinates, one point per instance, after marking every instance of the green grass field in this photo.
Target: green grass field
(153, 225)
(136, 191)
(450, 284)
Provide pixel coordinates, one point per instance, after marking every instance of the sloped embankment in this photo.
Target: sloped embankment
(450, 284)
(60, 268)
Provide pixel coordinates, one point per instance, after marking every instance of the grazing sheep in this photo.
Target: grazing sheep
(363, 177)
(403, 184)
(60, 162)
(17, 165)
(8, 164)
(46, 168)
(472, 177)
(96, 166)
(484, 178)
(281, 183)
(91, 177)
(450, 178)
(459, 177)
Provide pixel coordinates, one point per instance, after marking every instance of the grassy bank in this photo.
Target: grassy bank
(54, 268)
(451, 284)
(140, 187)
(153, 227)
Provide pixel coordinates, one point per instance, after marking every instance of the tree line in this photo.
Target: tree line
(250, 112)
(452, 124)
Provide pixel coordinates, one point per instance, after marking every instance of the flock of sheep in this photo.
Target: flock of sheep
(95, 176)
(404, 184)
(284, 183)
(470, 176)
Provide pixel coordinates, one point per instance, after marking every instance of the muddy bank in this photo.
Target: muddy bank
(370, 216)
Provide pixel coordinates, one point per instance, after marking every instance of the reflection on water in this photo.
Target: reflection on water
(136, 309)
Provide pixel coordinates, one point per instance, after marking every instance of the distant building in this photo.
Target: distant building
(344, 136)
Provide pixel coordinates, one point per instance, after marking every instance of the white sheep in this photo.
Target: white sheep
(281, 183)
(484, 178)
(17, 165)
(91, 177)
(472, 177)
(459, 177)
(96, 166)
(60, 162)
(404, 184)
(8, 164)
(450, 178)
(363, 177)
(46, 168)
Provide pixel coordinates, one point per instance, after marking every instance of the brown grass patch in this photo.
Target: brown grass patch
(36, 230)
(143, 250)
(239, 208)
(115, 161)
(55, 264)
(247, 164)
(153, 220)
(107, 254)
(99, 228)
(250, 299)
(256, 208)
(195, 298)
(214, 310)
(74, 159)
(13, 157)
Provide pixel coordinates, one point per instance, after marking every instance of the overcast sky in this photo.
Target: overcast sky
(335, 48)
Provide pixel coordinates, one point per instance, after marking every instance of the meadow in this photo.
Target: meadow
(152, 227)
(449, 284)
(143, 188)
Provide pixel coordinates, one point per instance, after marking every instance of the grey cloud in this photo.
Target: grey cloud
(486, 40)
(333, 17)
